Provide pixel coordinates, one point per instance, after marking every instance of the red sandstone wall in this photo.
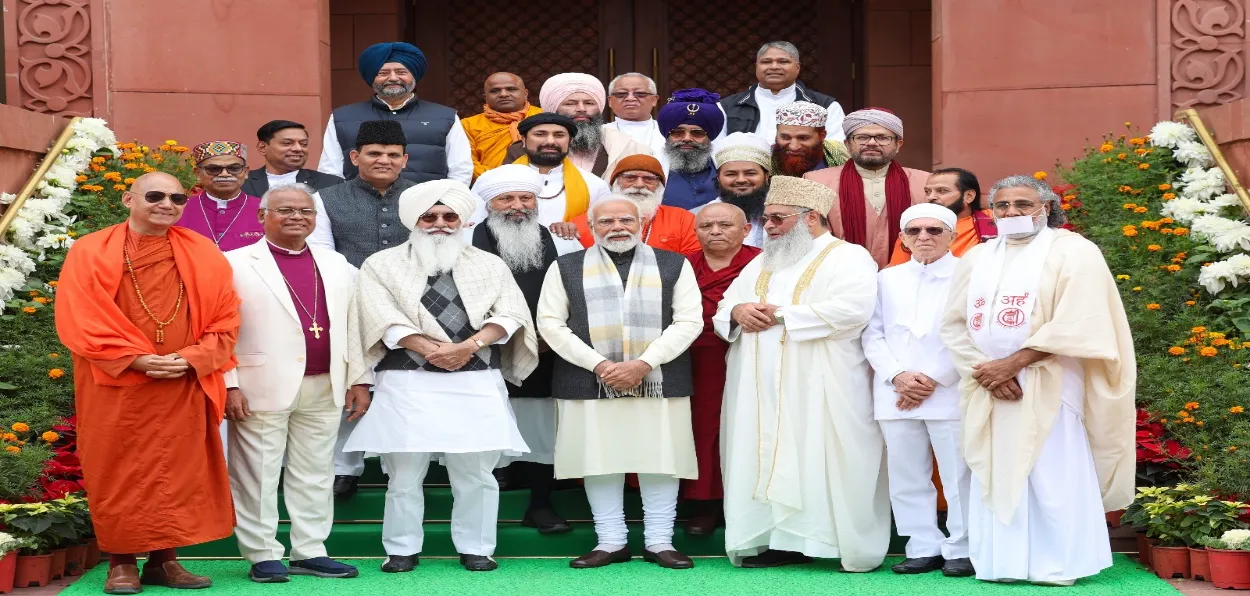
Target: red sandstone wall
(24, 137)
(354, 26)
(898, 71)
(1230, 125)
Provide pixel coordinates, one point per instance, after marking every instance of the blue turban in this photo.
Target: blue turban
(692, 106)
(374, 56)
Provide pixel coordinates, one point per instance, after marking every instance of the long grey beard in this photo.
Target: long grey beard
(438, 253)
(589, 135)
(648, 202)
(690, 162)
(784, 252)
(520, 244)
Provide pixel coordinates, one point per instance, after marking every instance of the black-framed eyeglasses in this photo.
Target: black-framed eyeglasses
(289, 211)
(447, 217)
(777, 220)
(880, 139)
(931, 230)
(215, 170)
(626, 94)
(156, 196)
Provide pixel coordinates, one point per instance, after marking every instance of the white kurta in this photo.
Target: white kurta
(628, 434)
(646, 132)
(803, 458)
(419, 411)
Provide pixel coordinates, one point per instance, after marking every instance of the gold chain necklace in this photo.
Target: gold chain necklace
(315, 328)
(160, 326)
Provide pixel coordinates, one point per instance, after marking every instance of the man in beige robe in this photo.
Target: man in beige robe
(874, 190)
(1035, 326)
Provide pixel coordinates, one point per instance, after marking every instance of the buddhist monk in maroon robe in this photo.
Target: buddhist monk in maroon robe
(149, 391)
(721, 228)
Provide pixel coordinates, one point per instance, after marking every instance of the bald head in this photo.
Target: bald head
(721, 229)
(505, 92)
(154, 218)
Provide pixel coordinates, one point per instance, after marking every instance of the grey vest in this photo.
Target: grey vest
(425, 125)
(573, 382)
(364, 222)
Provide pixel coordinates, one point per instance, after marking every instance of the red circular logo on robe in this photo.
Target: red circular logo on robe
(975, 323)
(1011, 317)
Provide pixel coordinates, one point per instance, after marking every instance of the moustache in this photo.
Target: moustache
(555, 148)
(443, 229)
(225, 179)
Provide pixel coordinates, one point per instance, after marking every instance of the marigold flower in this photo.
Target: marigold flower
(1065, 206)
(1192, 405)
(12, 449)
(97, 168)
(1176, 350)
(1217, 335)
(42, 300)
(1106, 147)
(80, 179)
(1140, 210)
(1190, 303)
(1165, 186)
(147, 169)
(1143, 166)
(1069, 197)
(114, 176)
(1122, 155)
(8, 437)
(1199, 423)
(1122, 277)
(1130, 205)
(1153, 306)
(1140, 151)
(30, 310)
(50, 437)
(97, 160)
(128, 181)
(1236, 410)
(1173, 268)
(179, 149)
(119, 187)
(132, 166)
(1039, 175)
(1124, 188)
(1232, 448)
(1130, 232)
(54, 355)
(1168, 196)
(1180, 231)
(52, 284)
(20, 427)
(1208, 352)
(1154, 248)
(56, 373)
(1137, 289)
(170, 142)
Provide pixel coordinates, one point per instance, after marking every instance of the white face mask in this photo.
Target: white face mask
(1020, 226)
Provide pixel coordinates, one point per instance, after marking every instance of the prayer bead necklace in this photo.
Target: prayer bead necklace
(160, 326)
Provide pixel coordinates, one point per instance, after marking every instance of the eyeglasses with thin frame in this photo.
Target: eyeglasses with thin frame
(1021, 205)
(607, 222)
(931, 230)
(447, 217)
(880, 139)
(289, 211)
(156, 196)
(626, 94)
(777, 220)
(632, 178)
(215, 170)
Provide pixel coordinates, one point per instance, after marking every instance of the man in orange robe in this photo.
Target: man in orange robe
(151, 319)
(494, 131)
(641, 178)
(958, 190)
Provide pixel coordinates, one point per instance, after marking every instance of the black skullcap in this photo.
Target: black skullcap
(546, 118)
(380, 132)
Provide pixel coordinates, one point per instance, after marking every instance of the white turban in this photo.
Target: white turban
(559, 87)
(742, 146)
(878, 116)
(414, 202)
(507, 178)
(929, 210)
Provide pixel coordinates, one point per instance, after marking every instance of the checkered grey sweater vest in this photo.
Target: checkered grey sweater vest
(362, 221)
(573, 382)
(442, 299)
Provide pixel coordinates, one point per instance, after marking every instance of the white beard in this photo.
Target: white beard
(783, 252)
(618, 244)
(520, 244)
(438, 253)
(648, 202)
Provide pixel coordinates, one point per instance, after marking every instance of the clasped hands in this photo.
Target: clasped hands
(755, 316)
(169, 366)
(912, 389)
(999, 377)
(448, 356)
(622, 376)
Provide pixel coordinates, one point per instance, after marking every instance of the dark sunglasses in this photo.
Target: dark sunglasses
(156, 196)
(215, 170)
(932, 230)
(433, 217)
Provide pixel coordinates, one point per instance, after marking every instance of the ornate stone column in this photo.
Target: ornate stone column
(1202, 52)
(53, 56)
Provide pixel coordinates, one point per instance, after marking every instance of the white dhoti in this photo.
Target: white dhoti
(305, 432)
(913, 496)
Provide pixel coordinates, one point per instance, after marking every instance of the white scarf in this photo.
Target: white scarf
(1000, 303)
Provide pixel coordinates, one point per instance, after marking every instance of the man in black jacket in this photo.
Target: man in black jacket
(777, 70)
(285, 146)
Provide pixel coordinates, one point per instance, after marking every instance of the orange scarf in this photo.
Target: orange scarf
(90, 323)
(512, 119)
(576, 193)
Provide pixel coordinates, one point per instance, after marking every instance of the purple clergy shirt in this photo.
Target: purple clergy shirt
(305, 282)
(231, 227)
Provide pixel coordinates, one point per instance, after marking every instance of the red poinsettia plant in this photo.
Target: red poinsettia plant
(62, 474)
(1158, 457)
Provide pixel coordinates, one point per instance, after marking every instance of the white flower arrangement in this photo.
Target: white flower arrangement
(41, 223)
(1236, 538)
(9, 543)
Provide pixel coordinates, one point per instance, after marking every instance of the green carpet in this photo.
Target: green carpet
(710, 576)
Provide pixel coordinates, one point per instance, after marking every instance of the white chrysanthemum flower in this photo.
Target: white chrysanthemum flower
(1193, 154)
(1201, 184)
(1184, 209)
(7, 198)
(10, 280)
(55, 239)
(1169, 134)
(15, 258)
(1226, 235)
(23, 232)
(97, 130)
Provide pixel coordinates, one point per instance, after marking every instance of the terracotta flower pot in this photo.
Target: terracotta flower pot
(1143, 549)
(1229, 568)
(1199, 564)
(93, 554)
(8, 569)
(33, 571)
(1113, 518)
(1170, 561)
(75, 560)
(58, 563)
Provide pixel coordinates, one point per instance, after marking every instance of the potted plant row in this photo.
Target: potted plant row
(1230, 559)
(54, 538)
(9, 546)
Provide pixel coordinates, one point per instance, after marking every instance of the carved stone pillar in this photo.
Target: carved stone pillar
(1202, 53)
(48, 55)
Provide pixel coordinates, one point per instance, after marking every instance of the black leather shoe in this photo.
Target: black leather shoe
(400, 563)
(918, 565)
(668, 559)
(701, 525)
(599, 558)
(345, 487)
(547, 521)
(775, 558)
(958, 568)
(478, 563)
(503, 478)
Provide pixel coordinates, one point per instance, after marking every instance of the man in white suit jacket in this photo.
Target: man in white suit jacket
(286, 394)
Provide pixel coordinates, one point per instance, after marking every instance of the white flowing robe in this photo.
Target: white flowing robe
(803, 458)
